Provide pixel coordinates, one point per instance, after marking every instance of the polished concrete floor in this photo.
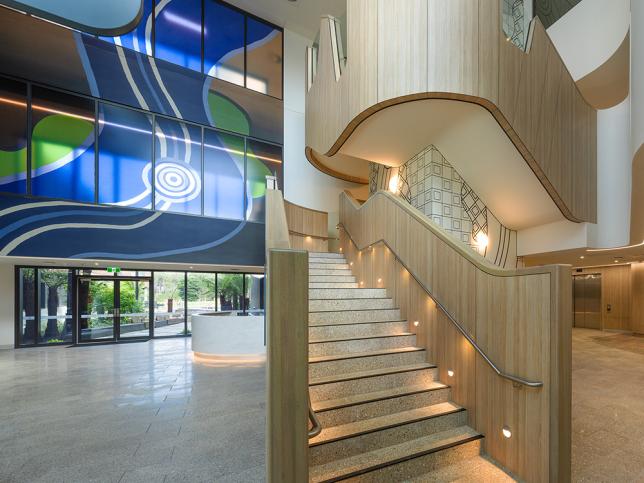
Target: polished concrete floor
(608, 407)
(129, 412)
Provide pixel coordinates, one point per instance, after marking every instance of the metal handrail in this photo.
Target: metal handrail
(317, 427)
(515, 379)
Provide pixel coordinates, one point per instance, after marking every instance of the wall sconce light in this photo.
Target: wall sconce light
(416, 323)
(361, 282)
(450, 373)
(340, 248)
(481, 240)
(351, 264)
(506, 432)
(379, 280)
(393, 184)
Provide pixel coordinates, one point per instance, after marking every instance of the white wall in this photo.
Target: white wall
(7, 303)
(590, 33)
(303, 184)
(614, 177)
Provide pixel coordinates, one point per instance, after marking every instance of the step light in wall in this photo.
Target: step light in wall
(380, 280)
(416, 323)
(450, 373)
(506, 432)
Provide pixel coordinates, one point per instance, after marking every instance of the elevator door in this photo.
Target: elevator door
(587, 301)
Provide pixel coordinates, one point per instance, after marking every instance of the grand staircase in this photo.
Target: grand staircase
(384, 414)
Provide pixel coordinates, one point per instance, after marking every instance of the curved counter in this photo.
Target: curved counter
(225, 336)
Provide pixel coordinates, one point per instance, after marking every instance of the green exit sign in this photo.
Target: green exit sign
(113, 269)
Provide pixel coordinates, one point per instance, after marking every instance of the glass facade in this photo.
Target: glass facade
(223, 182)
(62, 145)
(93, 305)
(262, 160)
(177, 32)
(13, 136)
(224, 53)
(263, 58)
(212, 37)
(124, 159)
(195, 170)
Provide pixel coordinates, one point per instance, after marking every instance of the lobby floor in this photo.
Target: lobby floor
(129, 413)
(607, 407)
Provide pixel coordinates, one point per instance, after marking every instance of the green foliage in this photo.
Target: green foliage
(102, 296)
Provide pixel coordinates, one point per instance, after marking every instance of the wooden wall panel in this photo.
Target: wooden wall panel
(520, 318)
(637, 291)
(402, 50)
(308, 229)
(402, 47)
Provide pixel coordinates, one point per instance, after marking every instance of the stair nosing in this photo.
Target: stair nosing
(402, 459)
(409, 392)
(384, 371)
(383, 336)
(359, 323)
(358, 355)
(353, 298)
(455, 410)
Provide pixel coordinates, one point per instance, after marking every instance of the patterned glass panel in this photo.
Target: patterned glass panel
(261, 160)
(223, 42)
(223, 175)
(177, 33)
(139, 39)
(13, 136)
(263, 58)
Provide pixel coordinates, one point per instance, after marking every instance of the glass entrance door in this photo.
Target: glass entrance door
(96, 309)
(112, 309)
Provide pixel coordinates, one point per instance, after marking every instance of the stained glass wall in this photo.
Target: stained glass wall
(13, 136)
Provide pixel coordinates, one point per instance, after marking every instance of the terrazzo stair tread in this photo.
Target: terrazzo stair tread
(361, 337)
(343, 331)
(318, 285)
(356, 355)
(353, 316)
(365, 361)
(326, 260)
(325, 255)
(348, 345)
(477, 469)
(334, 305)
(363, 464)
(348, 376)
(346, 293)
(361, 322)
(330, 271)
(328, 266)
(343, 402)
(331, 279)
(369, 426)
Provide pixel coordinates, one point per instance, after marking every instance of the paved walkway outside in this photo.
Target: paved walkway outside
(607, 407)
(130, 412)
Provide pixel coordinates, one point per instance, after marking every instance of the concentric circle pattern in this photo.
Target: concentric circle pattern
(176, 182)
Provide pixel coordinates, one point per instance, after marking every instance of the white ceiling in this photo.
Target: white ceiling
(472, 141)
(301, 16)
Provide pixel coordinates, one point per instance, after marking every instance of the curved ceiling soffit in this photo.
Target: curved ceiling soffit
(486, 104)
(113, 18)
(608, 85)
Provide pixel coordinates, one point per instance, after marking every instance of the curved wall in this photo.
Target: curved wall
(637, 121)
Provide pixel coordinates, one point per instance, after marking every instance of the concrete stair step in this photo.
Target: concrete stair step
(336, 412)
(346, 293)
(328, 266)
(325, 255)
(331, 278)
(326, 366)
(323, 347)
(314, 285)
(337, 386)
(336, 305)
(339, 442)
(352, 316)
(314, 272)
(407, 459)
(348, 331)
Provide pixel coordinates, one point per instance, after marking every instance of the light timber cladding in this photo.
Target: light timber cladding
(405, 50)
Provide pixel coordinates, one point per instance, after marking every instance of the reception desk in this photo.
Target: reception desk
(227, 336)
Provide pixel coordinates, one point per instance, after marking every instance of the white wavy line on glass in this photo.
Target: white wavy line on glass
(175, 110)
(98, 226)
(41, 204)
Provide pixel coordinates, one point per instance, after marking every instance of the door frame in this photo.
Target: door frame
(78, 278)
